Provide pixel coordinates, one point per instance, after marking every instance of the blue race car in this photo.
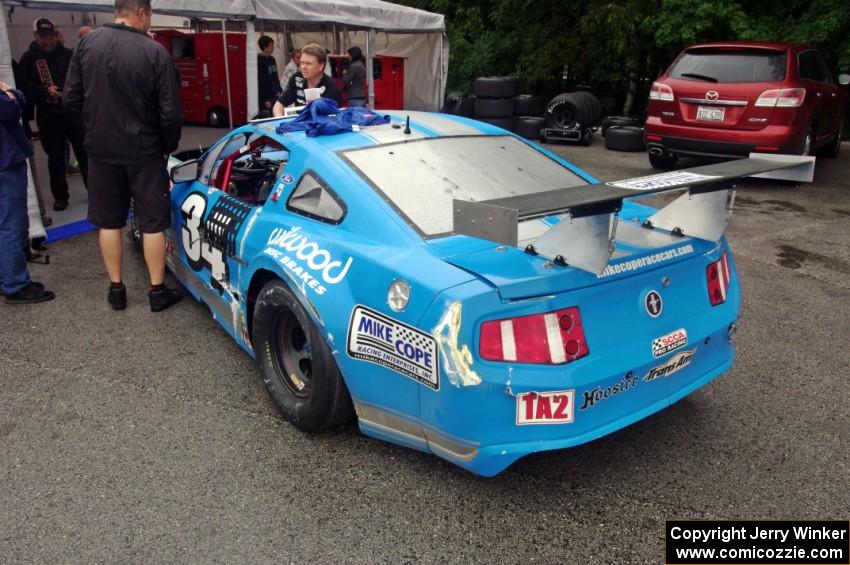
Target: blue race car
(461, 290)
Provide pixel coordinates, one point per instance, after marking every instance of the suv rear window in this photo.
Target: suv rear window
(730, 66)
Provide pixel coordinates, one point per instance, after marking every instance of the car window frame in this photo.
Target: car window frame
(327, 188)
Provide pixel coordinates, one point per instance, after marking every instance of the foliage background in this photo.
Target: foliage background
(555, 45)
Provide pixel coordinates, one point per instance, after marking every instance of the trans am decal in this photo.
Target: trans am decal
(385, 341)
(545, 407)
(671, 342)
(675, 363)
(306, 261)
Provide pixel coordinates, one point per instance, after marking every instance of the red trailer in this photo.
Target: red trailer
(203, 83)
(388, 73)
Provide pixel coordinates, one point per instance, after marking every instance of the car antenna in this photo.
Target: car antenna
(407, 125)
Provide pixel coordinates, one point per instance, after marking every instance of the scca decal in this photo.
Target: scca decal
(379, 339)
(545, 407)
(665, 344)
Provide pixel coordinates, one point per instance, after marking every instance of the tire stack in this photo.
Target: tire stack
(494, 100)
(527, 120)
(623, 133)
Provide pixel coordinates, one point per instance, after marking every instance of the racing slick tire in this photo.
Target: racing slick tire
(611, 121)
(295, 362)
(504, 123)
(593, 104)
(495, 87)
(625, 138)
(527, 105)
(494, 107)
(452, 103)
(528, 126)
(566, 110)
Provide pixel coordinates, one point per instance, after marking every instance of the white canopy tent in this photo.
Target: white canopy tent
(417, 35)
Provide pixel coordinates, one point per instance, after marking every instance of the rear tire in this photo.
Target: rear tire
(295, 362)
(832, 150)
(663, 162)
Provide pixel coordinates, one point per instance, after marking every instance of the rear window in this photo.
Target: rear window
(726, 66)
(421, 177)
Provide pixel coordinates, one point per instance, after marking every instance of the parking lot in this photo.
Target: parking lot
(129, 437)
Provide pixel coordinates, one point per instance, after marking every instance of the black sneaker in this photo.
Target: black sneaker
(162, 299)
(60, 205)
(31, 294)
(117, 297)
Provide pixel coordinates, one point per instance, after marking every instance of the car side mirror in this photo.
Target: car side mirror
(185, 172)
(843, 79)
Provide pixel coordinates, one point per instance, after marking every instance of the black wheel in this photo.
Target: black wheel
(625, 138)
(466, 108)
(663, 162)
(495, 87)
(295, 362)
(504, 123)
(528, 126)
(832, 150)
(527, 105)
(566, 110)
(610, 121)
(494, 107)
(452, 103)
(217, 118)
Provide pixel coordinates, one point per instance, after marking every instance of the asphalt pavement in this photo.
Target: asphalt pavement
(131, 437)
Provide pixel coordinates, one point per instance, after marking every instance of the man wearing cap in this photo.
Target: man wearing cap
(42, 71)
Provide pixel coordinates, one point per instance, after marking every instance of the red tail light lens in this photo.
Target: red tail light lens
(660, 91)
(553, 338)
(718, 275)
(782, 98)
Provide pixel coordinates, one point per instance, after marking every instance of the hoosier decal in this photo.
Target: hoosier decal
(675, 363)
(671, 342)
(592, 397)
(385, 341)
(545, 407)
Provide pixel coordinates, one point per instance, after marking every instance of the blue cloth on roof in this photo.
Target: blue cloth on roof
(323, 117)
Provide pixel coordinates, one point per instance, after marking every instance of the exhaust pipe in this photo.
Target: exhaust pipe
(656, 150)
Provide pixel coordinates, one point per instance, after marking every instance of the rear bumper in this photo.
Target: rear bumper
(690, 141)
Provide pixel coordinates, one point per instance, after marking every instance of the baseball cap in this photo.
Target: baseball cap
(43, 26)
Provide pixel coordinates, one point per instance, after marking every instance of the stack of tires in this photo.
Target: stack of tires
(623, 133)
(494, 100)
(527, 119)
(579, 109)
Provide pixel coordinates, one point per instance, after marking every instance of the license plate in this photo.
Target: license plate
(709, 114)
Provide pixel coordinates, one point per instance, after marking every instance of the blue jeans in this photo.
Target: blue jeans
(356, 102)
(14, 228)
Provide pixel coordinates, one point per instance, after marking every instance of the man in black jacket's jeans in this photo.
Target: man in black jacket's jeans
(123, 86)
(42, 73)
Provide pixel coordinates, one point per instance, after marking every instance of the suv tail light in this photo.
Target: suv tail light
(718, 276)
(660, 91)
(553, 338)
(782, 98)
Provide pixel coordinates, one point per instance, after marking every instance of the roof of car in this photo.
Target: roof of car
(774, 45)
(422, 125)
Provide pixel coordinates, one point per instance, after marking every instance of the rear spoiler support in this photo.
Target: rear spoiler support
(585, 240)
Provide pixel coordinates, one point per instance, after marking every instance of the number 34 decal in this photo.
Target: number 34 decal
(199, 253)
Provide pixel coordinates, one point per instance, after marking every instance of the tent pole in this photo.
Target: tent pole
(227, 71)
(251, 70)
(370, 75)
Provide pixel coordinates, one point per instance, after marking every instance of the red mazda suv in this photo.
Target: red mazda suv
(725, 100)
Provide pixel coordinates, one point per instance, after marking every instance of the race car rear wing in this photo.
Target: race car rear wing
(586, 240)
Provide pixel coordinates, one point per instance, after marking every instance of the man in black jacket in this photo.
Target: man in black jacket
(42, 72)
(123, 86)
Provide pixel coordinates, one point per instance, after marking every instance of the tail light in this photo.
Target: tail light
(660, 91)
(718, 276)
(553, 338)
(782, 98)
